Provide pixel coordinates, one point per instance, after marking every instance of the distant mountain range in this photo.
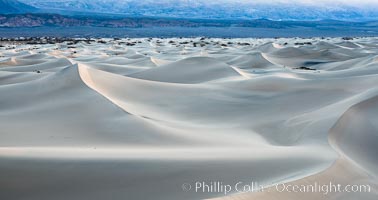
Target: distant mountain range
(56, 20)
(198, 9)
(13, 6)
(166, 13)
(218, 9)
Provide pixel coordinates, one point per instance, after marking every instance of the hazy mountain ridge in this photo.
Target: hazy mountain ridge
(38, 20)
(213, 10)
(13, 6)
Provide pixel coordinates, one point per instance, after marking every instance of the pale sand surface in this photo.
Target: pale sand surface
(111, 121)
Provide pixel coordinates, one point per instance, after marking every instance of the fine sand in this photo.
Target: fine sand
(136, 119)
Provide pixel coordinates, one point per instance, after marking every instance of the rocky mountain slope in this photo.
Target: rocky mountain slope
(14, 6)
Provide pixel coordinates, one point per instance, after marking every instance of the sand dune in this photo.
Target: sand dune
(189, 70)
(109, 121)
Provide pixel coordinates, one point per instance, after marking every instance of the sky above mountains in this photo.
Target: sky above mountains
(351, 10)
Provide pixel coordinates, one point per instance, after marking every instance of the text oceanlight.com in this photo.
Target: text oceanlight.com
(242, 187)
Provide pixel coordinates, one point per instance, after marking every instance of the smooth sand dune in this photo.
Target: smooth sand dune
(342, 172)
(27, 65)
(354, 137)
(9, 77)
(355, 133)
(107, 120)
(116, 68)
(251, 61)
(189, 70)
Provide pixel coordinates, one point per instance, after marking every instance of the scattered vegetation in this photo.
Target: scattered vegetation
(305, 68)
